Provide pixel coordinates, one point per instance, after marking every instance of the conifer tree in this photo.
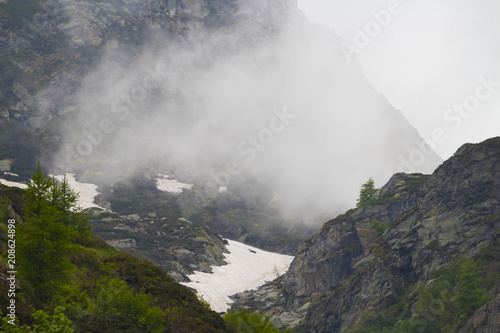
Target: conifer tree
(62, 196)
(469, 293)
(368, 193)
(45, 236)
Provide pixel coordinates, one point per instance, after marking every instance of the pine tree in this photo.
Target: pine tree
(368, 193)
(65, 200)
(469, 293)
(62, 196)
(45, 237)
(37, 193)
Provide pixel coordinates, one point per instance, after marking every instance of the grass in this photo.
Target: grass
(105, 253)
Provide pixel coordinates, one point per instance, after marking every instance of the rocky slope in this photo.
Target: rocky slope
(178, 246)
(269, 300)
(345, 270)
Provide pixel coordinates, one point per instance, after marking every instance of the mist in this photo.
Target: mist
(270, 98)
(426, 60)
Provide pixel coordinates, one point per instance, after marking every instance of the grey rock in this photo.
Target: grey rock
(169, 241)
(124, 243)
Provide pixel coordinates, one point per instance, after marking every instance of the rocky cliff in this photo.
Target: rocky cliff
(346, 273)
(178, 246)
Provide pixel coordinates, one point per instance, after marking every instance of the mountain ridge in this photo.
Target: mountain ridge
(346, 277)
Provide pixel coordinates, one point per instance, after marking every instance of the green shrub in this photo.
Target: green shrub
(245, 321)
(379, 227)
(57, 323)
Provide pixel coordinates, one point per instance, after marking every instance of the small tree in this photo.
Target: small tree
(62, 196)
(65, 200)
(45, 237)
(469, 293)
(368, 193)
(44, 240)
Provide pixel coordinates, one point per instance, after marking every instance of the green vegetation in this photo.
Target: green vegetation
(379, 227)
(469, 295)
(51, 222)
(368, 193)
(57, 323)
(71, 281)
(246, 321)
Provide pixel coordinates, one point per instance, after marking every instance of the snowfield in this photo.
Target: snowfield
(171, 185)
(87, 191)
(247, 268)
(13, 184)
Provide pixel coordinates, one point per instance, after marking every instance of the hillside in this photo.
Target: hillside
(99, 288)
(434, 266)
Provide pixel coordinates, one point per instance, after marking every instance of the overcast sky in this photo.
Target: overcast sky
(429, 58)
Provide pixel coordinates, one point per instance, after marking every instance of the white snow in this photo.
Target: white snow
(10, 173)
(13, 184)
(245, 270)
(171, 185)
(222, 189)
(87, 191)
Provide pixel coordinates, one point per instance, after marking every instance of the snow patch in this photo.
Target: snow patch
(247, 268)
(171, 185)
(13, 184)
(87, 191)
(11, 173)
(222, 189)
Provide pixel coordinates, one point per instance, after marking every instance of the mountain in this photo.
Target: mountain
(432, 267)
(121, 91)
(258, 112)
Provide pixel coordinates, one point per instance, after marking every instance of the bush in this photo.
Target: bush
(245, 321)
(379, 227)
(57, 323)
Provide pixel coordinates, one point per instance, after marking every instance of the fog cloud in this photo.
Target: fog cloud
(278, 103)
(427, 59)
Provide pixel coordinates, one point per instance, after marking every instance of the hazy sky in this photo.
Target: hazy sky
(427, 58)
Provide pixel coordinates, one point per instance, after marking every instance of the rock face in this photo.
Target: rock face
(269, 300)
(345, 269)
